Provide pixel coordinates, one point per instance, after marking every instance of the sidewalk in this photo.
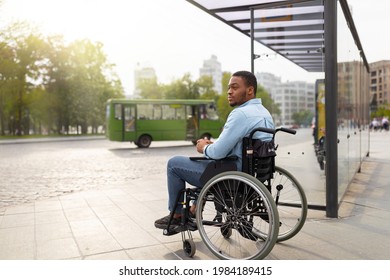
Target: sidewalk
(118, 223)
(50, 139)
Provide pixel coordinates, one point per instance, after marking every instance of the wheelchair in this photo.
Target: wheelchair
(243, 214)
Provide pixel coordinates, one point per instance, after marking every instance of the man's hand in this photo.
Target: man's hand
(201, 144)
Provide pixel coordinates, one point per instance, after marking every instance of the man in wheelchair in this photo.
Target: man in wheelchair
(249, 113)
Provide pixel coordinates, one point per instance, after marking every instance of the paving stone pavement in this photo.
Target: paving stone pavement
(117, 223)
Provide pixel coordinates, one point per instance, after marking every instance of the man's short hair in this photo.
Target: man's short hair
(249, 78)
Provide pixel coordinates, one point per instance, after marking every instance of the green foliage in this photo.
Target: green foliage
(206, 88)
(150, 89)
(303, 117)
(223, 106)
(47, 86)
(380, 113)
(267, 101)
(183, 88)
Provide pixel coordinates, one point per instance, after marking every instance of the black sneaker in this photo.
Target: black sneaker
(163, 222)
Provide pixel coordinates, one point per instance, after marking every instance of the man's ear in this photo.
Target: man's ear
(251, 90)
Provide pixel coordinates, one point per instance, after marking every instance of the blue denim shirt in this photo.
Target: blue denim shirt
(241, 121)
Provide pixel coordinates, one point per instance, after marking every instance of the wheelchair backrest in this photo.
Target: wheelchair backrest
(258, 158)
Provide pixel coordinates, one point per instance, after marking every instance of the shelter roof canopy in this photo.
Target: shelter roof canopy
(294, 29)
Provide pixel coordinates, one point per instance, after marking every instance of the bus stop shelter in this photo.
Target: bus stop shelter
(318, 36)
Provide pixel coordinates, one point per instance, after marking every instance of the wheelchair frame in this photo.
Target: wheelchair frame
(242, 214)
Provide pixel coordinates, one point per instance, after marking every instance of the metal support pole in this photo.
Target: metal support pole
(331, 107)
(252, 40)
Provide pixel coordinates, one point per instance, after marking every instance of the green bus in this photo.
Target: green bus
(145, 120)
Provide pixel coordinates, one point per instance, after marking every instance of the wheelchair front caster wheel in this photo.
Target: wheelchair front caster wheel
(189, 247)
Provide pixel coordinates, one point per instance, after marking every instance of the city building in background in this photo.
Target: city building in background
(142, 72)
(291, 97)
(212, 67)
(270, 82)
(352, 101)
(380, 84)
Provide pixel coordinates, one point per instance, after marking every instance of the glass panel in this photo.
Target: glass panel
(352, 106)
(157, 112)
(144, 111)
(297, 153)
(129, 118)
(118, 111)
(208, 112)
(173, 112)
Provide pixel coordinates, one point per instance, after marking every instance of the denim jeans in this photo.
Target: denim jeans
(182, 170)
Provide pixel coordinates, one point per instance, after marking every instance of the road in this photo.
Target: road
(31, 171)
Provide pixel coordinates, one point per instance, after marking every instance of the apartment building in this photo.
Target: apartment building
(380, 84)
(270, 82)
(291, 97)
(212, 67)
(142, 72)
(352, 100)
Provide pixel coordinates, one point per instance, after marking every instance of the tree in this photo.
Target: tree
(382, 111)
(150, 89)
(38, 104)
(57, 85)
(79, 81)
(46, 85)
(223, 106)
(267, 101)
(182, 88)
(303, 117)
(206, 88)
(25, 64)
(91, 78)
(8, 68)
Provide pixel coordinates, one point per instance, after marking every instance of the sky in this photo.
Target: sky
(175, 37)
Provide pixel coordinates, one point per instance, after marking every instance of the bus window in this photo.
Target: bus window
(118, 111)
(157, 112)
(149, 112)
(208, 112)
(202, 111)
(211, 112)
(107, 111)
(192, 118)
(129, 118)
(173, 112)
(145, 111)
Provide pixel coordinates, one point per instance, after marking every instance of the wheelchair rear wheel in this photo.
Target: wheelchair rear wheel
(237, 217)
(291, 203)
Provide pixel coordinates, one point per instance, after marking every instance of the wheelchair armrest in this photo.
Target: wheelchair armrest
(199, 158)
(216, 166)
(231, 158)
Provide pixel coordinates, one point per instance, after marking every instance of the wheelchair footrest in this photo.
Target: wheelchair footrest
(191, 226)
(169, 232)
